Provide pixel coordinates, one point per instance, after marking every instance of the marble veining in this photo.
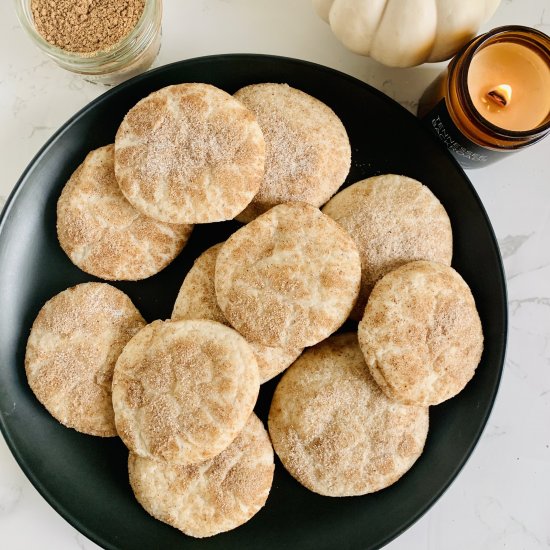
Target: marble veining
(84, 543)
(505, 529)
(510, 244)
(10, 495)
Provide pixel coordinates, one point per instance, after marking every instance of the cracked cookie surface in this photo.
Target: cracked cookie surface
(421, 333)
(393, 220)
(183, 390)
(71, 353)
(103, 234)
(289, 278)
(308, 154)
(211, 497)
(333, 428)
(197, 300)
(189, 153)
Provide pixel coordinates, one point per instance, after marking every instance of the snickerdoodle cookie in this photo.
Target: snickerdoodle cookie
(183, 390)
(189, 153)
(103, 234)
(211, 497)
(334, 429)
(308, 154)
(71, 352)
(197, 300)
(289, 278)
(393, 220)
(421, 333)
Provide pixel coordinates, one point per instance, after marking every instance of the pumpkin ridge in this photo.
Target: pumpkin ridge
(405, 33)
(436, 34)
(379, 23)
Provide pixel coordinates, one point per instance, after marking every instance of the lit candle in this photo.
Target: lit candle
(494, 98)
(509, 85)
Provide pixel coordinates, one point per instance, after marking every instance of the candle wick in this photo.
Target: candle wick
(501, 94)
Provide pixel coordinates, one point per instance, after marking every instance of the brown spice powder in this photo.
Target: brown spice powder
(85, 26)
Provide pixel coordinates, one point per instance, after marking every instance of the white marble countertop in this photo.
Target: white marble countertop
(500, 499)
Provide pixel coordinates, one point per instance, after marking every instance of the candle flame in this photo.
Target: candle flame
(501, 95)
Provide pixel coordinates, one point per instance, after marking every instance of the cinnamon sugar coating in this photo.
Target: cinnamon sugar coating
(308, 154)
(211, 497)
(183, 390)
(393, 220)
(421, 333)
(71, 353)
(197, 300)
(103, 234)
(334, 429)
(289, 278)
(189, 153)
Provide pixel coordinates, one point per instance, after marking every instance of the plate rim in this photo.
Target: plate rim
(69, 516)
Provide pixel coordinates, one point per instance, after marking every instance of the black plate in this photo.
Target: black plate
(85, 478)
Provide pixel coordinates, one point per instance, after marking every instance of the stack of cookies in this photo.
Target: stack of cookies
(350, 415)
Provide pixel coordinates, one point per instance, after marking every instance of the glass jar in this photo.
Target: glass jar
(132, 55)
(447, 107)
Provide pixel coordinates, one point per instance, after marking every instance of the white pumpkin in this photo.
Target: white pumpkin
(403, 33)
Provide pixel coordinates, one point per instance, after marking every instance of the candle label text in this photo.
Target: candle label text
(468, 154)
(453, 145)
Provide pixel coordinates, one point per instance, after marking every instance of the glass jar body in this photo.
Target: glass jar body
(132, 55)
(447, 108)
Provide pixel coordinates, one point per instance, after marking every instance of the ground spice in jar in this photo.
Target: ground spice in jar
(85, 26)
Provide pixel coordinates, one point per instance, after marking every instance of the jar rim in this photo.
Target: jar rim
(517, 34)
(90, 60)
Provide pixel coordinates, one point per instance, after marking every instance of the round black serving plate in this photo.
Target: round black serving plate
(85, 478)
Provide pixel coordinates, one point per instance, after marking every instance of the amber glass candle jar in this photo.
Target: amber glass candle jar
(494, 97)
